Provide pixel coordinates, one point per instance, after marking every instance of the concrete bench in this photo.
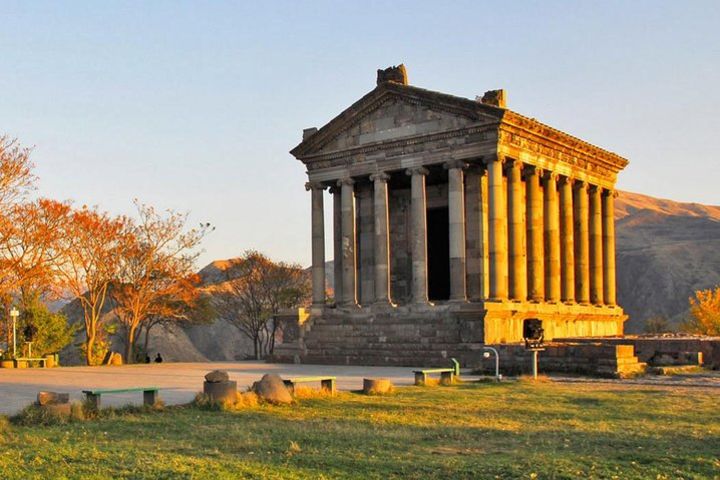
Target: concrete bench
(150, 394)
(447, 375)
(42, 361)
(326, 383)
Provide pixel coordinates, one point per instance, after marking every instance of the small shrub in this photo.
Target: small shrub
(293, 449)
(530, 379)
(431, 382)
(303, 392)
(242, 400)
(5, 428)
(77, 412)
(34, 415)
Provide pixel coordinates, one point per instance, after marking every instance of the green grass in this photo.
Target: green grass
(509, 430)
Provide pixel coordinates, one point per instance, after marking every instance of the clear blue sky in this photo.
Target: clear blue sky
(194, 105)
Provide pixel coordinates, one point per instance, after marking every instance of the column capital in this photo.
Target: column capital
(488, 159)
(345, 181)
(595, 189)
(529, 171)
(607, 192)
(550, 176)
(380, 177)
(453, 164)
(417, 171)
(334, 189)
(565, 180)
(511, 164)
(580, 184)
(315, 186)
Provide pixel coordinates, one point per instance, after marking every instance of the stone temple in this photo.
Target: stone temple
(454, 222)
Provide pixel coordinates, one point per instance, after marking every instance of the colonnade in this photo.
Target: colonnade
(550, 238)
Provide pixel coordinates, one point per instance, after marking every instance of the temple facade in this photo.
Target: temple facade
(454, 221)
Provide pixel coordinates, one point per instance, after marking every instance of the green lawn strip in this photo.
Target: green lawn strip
(468, 431)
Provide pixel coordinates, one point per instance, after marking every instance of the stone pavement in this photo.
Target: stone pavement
(179, 382)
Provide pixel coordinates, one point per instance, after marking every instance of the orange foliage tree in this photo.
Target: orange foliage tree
(31, 247)
(16, 179)
(255, 291)
(705, 312)
(93, 242)
(156, 278)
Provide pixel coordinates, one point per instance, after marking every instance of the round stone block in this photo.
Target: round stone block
(220, 391)
(376, 386)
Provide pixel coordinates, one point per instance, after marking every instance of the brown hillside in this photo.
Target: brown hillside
(665, 251)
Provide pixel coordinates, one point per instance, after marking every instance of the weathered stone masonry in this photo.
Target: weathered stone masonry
(454, 221)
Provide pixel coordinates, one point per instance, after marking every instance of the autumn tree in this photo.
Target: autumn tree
(31, 246)
(704, 312)
(255, 291)
(93, 242)
(16, 180)
(157, 279)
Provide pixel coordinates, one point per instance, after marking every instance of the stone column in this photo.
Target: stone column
(582, 244)
(497, 232)
(516, 236)
(337, 243)
(567, 242)
(382, 239)
(596, 251)
(534, 222)
(456, 227)
(317, 216)
(418, 233)
(551, 215)
(349, 267)
(608, 235)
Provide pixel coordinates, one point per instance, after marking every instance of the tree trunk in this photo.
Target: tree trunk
(147, 336)
(89, 346)
(256, 346)
(129, 344)
(273, 332)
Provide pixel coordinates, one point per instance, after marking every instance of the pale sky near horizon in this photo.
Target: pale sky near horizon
(195, 105)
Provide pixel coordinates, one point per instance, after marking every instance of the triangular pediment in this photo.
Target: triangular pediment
(393, 112)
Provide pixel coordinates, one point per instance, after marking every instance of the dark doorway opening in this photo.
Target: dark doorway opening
(438, 251)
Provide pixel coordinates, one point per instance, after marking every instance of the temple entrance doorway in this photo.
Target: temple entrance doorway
(438, 251)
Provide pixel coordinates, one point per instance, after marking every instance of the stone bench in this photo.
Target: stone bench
(326, 383)
(447, 375)
(42, 361)
(150, 394)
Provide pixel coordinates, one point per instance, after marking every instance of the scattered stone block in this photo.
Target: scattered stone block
(272, 389)
(376, 386)
(55, 403)
(52, 398)
(115, 359)
(217, 376)
(220, 391)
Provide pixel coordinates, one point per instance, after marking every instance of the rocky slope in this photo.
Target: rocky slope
(665, 251)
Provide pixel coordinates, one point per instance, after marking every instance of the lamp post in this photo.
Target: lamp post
(14, 313)
(498, 377)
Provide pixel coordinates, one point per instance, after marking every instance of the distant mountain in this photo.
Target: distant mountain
(666, 250)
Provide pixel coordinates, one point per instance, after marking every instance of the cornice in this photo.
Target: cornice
(562, 144)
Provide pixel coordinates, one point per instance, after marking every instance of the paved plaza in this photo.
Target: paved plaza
(179, 382)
